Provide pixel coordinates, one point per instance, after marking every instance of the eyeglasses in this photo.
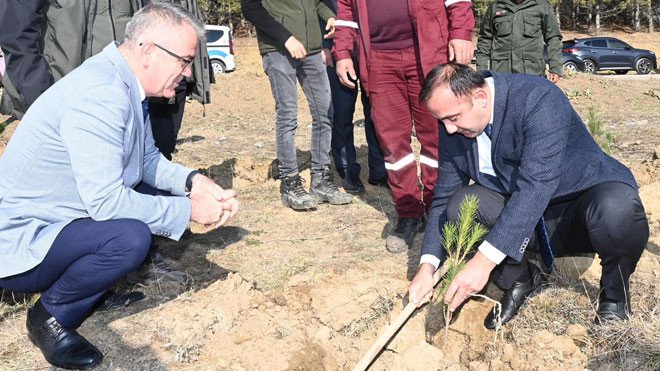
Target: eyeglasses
(186, 61)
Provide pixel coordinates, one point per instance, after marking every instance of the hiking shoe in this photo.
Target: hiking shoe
(380, 182)
(154, 269)
(294, 195)
(353, 185)
(324, 190)
(402, 236)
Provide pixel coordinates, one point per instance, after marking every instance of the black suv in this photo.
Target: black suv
(608, 53)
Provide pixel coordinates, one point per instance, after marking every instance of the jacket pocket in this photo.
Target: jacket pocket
(432, 4)
(531, 25)
(122, 7)
(503, 28)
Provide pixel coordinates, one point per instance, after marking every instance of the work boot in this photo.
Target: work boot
(62, 347)
(324, 190)
(402, 236)
(154, 269)
(294, 195)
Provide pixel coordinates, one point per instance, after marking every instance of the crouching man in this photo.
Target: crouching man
(71, 222)
(542, 183)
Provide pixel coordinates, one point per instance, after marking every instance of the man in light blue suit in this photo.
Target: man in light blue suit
(542, 182)
(71, 223)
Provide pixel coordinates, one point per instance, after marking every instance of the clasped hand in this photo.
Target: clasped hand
(211, 205)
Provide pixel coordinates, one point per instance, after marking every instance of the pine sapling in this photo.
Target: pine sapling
(459, 239)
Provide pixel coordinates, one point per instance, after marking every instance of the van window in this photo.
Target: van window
(214, 35)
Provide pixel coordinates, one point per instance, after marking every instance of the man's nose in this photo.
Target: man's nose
(187, 72)
(451, 129)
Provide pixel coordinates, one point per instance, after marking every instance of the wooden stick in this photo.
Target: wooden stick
(385, 337)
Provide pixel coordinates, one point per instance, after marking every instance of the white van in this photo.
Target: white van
(221, 48)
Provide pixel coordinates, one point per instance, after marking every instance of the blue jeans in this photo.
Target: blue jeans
(343, 145)
(283, 72)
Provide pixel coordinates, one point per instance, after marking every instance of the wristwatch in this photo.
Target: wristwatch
(189, 180)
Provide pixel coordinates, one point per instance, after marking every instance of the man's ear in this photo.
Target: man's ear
(480, 97)
(145, 51)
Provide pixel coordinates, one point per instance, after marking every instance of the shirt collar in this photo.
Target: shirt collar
(143, 95)
(491, 86)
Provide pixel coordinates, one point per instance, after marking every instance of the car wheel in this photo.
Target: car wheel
(589, 66)
(643, 66)
(621, 72)
(570, 66)
(218, 67)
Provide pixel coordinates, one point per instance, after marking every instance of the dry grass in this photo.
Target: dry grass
(628, 345)
(382, 307)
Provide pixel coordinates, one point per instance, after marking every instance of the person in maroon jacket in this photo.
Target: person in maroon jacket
(399, 42)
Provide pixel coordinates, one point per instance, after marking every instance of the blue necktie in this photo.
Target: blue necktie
(541, 233)
(145, 109)
(489, 130)
(544, 244)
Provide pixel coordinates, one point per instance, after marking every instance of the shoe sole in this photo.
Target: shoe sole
(354, 191)
(66, 367)
(331, 202)
(298, 207)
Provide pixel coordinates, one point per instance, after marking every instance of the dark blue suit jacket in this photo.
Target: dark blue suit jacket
(541, 151)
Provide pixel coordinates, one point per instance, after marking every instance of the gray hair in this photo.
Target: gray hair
(162, 13)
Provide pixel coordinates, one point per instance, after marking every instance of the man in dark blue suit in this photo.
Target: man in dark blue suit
(543, 183)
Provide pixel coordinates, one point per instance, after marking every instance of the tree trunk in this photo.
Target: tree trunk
(574, 16)
(590, 14)
(558, 13)
(636, 16)
(650, 16)
(597, 17)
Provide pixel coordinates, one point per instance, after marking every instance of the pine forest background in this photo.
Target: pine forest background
(591, 16)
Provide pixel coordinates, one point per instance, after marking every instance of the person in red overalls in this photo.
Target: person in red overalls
(399, 42)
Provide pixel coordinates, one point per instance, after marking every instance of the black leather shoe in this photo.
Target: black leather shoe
(515, 297)
(611, 310)
(155, 269)
(353, 185)
(112, 300)
(381, 182)
(62, 347)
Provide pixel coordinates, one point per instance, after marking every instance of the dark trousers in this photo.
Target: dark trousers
(607, 219)
(166, 120)
(343, 145)
(85, 260)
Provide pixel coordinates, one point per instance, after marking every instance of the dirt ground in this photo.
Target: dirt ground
(276, 289)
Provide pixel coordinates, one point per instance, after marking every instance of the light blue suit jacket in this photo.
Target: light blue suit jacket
(78, 152)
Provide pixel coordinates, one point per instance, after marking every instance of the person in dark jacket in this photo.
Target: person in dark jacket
(543, 185)
(512, 37)
(44, 40)
(289, 35)
(343, 144)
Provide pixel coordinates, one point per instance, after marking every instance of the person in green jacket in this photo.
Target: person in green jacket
(512, 37)
(289, 35)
